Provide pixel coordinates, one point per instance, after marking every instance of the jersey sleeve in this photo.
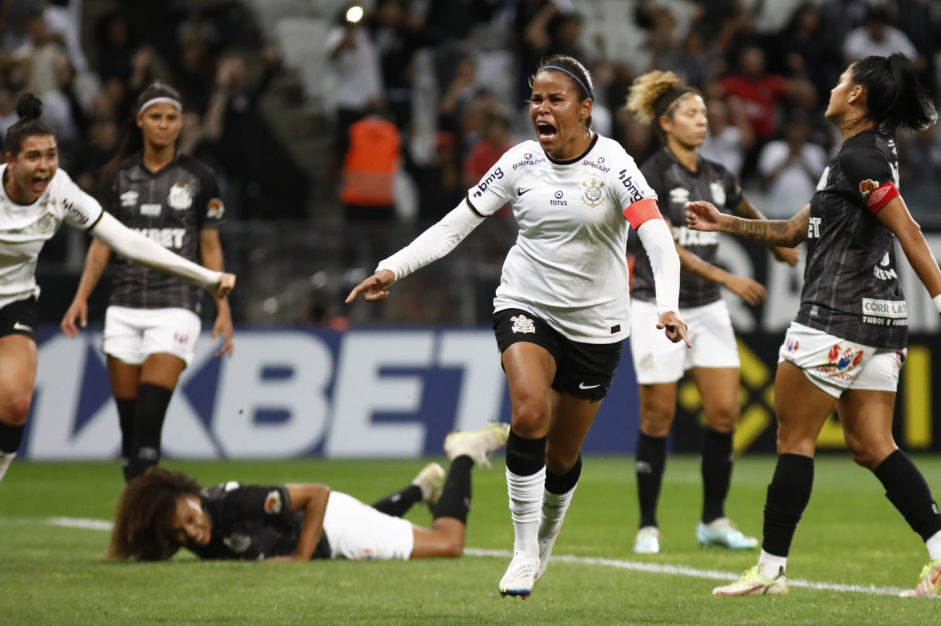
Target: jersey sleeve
(495, 187)
(78, 208)
(634, 195)
(209, 206)
(870, 176)
(247, 501)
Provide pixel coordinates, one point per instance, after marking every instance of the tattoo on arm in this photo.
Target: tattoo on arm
(786, 233)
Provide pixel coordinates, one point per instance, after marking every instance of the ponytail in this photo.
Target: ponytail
(894, 96)
(29, 109)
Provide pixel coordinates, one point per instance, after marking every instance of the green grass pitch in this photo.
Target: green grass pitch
(850, 536)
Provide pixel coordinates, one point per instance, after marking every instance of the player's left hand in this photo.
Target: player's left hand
(223, 326)
(374, 288)
(786, 255)
(676, 328)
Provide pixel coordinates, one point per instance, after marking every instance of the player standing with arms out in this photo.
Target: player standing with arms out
(152, 322)
(562, 310)
(35, 199)
(848, 344)
(678, 174)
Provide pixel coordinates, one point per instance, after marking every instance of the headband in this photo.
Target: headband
(160, 100)
(577, 79)
(667, 98)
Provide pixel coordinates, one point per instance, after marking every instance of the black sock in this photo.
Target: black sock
(456, 496)
(788, 495)
(10, 437)
(397, 504)
(905, 487)
(126, 421)
(651, 459)
(151, 409)
(716, 473)
(525, 457)
(563, 483)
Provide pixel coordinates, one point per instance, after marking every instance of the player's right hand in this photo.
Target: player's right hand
(675, 328)
(701, 215)
(225, 285)
(374, 288)
(78, 310)
(747, 289)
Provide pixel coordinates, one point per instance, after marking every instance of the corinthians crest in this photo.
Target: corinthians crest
(593, 194)
(179, 197)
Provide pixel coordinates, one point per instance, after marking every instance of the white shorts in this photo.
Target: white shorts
(835, 365)
(132, 335)
(658, 360)
(357, 531)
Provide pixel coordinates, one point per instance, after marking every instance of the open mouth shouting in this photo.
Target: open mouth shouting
(40, 182)
(545, 132)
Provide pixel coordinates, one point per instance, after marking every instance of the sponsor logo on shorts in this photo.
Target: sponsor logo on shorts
(22, 327)
(844, 359)
(584, 386)
(792, 345)
(181, 339)
(522, 324)
(900, 356)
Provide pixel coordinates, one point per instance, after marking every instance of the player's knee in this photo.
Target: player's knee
(723, 418)
(862, 454)
(530, 417)
(560, 459)
(14, 408)
(656, 418)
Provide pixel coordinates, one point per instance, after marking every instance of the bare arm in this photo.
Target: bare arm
(312, 499)
(96, 260)
(703, 216)
(896, 217)
(748, 211)
(211, 252)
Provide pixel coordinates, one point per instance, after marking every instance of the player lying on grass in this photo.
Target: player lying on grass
(161, 511)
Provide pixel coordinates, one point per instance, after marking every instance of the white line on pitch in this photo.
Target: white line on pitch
(637, 566)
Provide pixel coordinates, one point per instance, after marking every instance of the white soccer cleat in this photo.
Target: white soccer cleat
(647, 540)
(477, 444)
(431, 481)
(723, 533)
(519, 577)
(929, 583)
(753, 584)
(545, 550)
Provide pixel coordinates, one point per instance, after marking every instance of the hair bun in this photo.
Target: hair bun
(29, 107)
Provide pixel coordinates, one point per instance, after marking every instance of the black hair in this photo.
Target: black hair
(894, 96)
(29, 109)
(574, 71)
(132, 137)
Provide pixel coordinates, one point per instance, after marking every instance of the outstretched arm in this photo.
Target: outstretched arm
(312, 499)
(703, 216)
(95, 263)
(748, 211)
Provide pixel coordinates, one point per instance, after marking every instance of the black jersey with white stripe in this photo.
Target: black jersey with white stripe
(171, 206)
(851, 289)
(252, 522)
(676, 185)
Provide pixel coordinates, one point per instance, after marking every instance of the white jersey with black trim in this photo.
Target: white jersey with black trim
(24, 229)
(568, 265)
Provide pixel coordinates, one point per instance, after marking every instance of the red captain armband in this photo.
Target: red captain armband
(881, 196)
(642, 211)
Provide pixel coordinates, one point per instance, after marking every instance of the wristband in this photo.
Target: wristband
(937, 302)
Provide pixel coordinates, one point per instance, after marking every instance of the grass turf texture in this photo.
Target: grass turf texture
(850, 535)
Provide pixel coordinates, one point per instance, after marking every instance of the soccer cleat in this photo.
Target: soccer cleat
(519, 577)
(723, 533)
(929, 582)
(477, 444)
(647, 540)
(753, 584)
(431, 481)
(545, 550)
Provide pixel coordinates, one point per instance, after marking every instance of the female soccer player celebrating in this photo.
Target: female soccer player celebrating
(152, 322)
(561, 312)
(678, 174)
(848, 344)
(36, 198)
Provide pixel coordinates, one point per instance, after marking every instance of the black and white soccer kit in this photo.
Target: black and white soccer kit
(852, 328)
(253, 522)
(151, 312)
(656, 359)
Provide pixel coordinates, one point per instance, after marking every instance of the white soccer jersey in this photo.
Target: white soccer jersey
(568, 265)
(25, 228)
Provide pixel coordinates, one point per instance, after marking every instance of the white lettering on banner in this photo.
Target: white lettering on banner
(362, 390)
(242, 392)
(483, 386)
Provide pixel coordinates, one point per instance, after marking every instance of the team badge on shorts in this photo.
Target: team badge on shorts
(522, 324)
(179, 197)
(593, 194)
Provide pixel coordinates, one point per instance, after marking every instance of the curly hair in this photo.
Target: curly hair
(654, 95)
(143, 523)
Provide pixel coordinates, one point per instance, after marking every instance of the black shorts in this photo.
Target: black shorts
(583, 370)
(20, 318)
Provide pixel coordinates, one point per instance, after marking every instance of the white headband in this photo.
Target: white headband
(160, 100)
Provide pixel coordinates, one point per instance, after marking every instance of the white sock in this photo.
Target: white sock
(554, 506)
(770, 565)
(934, 546)
(5, 459)
(525, 504)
